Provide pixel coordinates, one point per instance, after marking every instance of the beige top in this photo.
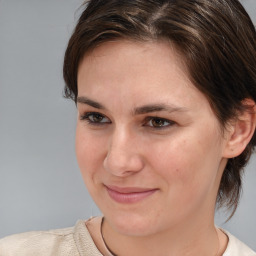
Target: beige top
(77, 241)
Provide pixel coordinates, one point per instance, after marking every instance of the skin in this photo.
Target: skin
(175, 147)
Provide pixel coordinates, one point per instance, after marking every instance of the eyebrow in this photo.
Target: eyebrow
(145, 109)
(92, 103)
(157, 108)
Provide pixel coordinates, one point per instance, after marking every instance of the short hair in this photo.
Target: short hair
(216, 38)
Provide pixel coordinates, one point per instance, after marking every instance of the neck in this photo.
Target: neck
(201, 239)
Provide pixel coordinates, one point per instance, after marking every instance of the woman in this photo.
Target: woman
(165, 92)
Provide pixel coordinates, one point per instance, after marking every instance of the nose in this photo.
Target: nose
(123, 157)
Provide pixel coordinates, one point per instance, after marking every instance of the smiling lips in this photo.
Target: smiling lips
(129, 195)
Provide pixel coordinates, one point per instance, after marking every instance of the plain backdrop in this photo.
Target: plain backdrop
(40, 183)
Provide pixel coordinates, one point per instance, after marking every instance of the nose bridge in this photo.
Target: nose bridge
(123, 157)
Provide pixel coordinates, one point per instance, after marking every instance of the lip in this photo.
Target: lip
(128, 195)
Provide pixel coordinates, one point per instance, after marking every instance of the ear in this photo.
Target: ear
(241, 130)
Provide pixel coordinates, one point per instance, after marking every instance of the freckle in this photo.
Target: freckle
(184, 142)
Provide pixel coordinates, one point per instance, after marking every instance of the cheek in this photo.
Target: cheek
(189, 165)
(88, 151)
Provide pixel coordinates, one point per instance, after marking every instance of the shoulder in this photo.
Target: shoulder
(236, 247)
(52, 242)
(74, 241)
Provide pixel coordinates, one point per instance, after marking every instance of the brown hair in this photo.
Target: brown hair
(216, 38)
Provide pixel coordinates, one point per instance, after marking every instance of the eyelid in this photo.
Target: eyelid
(86, 117)
(146, 122)
(150, 118)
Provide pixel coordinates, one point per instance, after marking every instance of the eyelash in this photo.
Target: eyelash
(86, 117)
(159, 119)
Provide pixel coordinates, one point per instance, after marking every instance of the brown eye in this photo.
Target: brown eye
(156, 122)
(95, 118)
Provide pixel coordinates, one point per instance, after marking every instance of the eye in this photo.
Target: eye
(157, 122)
(95, 118)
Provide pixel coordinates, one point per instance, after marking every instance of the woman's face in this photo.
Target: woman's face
(148, 143)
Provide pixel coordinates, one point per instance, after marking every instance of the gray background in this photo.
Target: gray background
(40, 183)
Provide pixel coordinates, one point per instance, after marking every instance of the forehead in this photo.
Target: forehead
(117, 57)
(136, 72)
(124, 47)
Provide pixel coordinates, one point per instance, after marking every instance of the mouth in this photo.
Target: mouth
(128, 195)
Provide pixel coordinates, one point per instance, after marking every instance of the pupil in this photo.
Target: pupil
(97, 118)
(157, 122)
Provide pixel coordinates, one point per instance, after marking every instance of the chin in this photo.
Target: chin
(131, 224)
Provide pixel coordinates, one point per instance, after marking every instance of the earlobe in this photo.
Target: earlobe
(241, 130)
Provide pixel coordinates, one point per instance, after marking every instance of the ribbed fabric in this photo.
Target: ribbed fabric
(84, 242)
(45, 243)
(77, 241)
